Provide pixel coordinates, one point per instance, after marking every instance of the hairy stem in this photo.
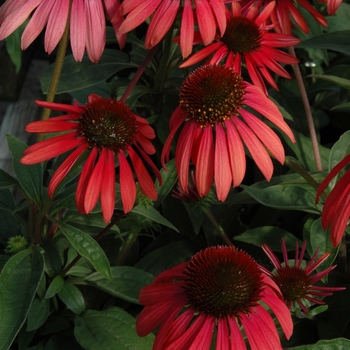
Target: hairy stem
(308, 113)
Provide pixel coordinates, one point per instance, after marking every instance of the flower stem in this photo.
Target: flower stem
(308, 113)
(138, 73)
(124, 251)
(61, 53)
(218, 228)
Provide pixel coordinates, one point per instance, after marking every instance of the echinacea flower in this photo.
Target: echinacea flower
(247, 40)
(209, 14)
(217, 125)
(210, 300)
(106, 129)
(284, 10)
(336, 208)
(87, 23)
(295, 281)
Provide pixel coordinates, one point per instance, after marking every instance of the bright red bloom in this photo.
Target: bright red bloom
(208, 14)
(217, 126)
(105, 128)
(296, 282)
(87, 23)
(247, 40)
(217, 293)
(280, 17)
(336, 209)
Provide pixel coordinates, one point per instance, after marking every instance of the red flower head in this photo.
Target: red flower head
(105, 128)
(284, 9)
(217, 293)
(208, 14)
(216, 128)
(296, 282)
(247, 40)
(336, 209)
(87, 23)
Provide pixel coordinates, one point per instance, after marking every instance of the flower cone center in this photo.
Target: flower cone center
(242, 35)
(211, 94)
(108, 123)
(223, 281)
(293, 282)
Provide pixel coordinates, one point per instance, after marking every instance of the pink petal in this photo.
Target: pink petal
(78, 29)
(108, 187)
(237, 341)
(127, 184)
(206, 21)
(222, 169)
(205, 165)
(187, 29)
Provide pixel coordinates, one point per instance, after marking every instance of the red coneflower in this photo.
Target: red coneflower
(87, 23)
(296, 282)
(216, 128)
(247, 40)
(106, 128)
(209, 300)
(280, 17)
(208, 14)
(336, 209)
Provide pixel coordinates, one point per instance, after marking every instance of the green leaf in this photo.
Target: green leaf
(169, 178)
(126, 283)
(339, 150)
(269, 235)
(72, 297)
(345, 83)
(30, 177)
(153, 215)
(6, 180)
(54, 287)
(38, 314)
(336, 41)
(79, 75)
(334, 344)
(19, 281)
(166, 257)
(109, 329)
(53, 261)
(286, 196)
(13, 46)
(87, 247)
(343, 106)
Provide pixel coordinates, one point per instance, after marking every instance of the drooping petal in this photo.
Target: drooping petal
(78, 29)
(206, 21)
(187, 29)
(108, 187)
(127, 183)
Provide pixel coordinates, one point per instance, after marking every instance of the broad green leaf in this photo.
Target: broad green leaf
(343, 106)
(339, 150)
(334, 344)
(13, 46)
(72, 297)
(126, 283)
(345, 83)
(269, 235)
(54, 287)
(169, 178)
(166, 257)
(30, 177)
(6, 180)
(38, 314)
(109, 329)
(53, 261)
(10, 226)
(336, 41)
(87, 247)
(153, 215)
(19, 281)
(287, 197)
(304, 151)
(79, 75)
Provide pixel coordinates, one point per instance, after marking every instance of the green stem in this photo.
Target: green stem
(61, 53)
(218, 228)
(342, 256)
(138, 73)
(124, 251)
(308, 113)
